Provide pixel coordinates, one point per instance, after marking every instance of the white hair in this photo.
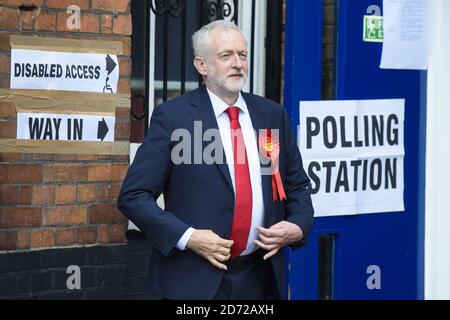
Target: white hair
(201, 38)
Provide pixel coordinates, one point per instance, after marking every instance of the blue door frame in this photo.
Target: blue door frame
(392, 241)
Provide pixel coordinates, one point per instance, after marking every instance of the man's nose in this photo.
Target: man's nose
(237, 62)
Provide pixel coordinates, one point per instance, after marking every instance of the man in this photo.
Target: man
(225, 221)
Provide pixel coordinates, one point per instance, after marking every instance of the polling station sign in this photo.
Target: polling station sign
(64, 127)
(68, 71)
(353, 153)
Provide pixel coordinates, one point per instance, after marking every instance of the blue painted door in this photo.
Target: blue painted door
(391, 241)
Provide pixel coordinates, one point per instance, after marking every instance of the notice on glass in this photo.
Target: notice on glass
(405, 34)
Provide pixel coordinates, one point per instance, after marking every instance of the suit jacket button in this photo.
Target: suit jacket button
(230, 209)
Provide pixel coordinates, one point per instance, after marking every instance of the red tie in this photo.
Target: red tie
(243, 206)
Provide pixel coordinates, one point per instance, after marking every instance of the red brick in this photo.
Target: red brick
(117, 233)
(122, 113)
(122, 25)
(65, 237)
(107, 172)
(87, 235)
(66, 172)
(43, 195)
(20, 217)
(105, 213)
(24, 239)
(10, 157)
(108, 191)
(8, 129)
(5, 63)
(5, 83)
(9, 18)
(61, 24)
(125, 67)
(64, 4)
(9, 195)
(5, 45)
(25, 195)
(45, 21)
(102, 233)
(26, 3)
(107, 21)
(122, 131)
(65, 194)
(67, 215)
(103, 191)
(124, 86)
(90, 23)
(42, 238)
(21, 173)
(111, 5)
(126, 44)
(27, 20)
(121, 158)
(114, 191)
(8, 109)
(87, 193)
(8, 240)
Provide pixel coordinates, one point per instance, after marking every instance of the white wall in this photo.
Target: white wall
(437, 211)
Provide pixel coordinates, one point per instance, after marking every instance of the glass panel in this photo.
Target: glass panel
(328, 50)
(326, 266)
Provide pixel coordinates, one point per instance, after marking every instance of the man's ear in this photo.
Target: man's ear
(200, 65)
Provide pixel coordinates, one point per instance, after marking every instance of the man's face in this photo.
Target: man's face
(226, 61)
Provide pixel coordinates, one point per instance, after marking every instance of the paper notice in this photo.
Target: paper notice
(405, 34)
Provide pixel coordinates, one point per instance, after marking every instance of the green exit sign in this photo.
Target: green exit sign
(373, 29)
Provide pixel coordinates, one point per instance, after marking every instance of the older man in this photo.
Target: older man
(225, 221)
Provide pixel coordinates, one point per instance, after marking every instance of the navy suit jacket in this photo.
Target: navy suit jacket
(201, 195)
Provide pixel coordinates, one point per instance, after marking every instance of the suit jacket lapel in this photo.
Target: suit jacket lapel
(202, 110)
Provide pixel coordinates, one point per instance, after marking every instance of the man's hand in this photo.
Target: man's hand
(277, 236)
(211, 247)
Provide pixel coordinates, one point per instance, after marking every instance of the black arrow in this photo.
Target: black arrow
(110, 64)
(102, 129)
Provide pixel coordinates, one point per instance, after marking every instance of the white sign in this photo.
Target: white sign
(47, 70)
(405, 34)
(353, 153)
(65, 127)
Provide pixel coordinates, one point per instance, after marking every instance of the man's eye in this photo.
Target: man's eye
(243, 56)
(225, 56)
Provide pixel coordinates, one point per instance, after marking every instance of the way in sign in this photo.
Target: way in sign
(64, 127)
(52, 127)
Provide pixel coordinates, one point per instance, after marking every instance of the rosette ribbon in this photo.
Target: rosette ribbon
(269, 147)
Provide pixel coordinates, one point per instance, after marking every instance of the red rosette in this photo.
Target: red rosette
(269, 148)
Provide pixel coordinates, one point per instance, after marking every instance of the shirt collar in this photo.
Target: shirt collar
(220, 106)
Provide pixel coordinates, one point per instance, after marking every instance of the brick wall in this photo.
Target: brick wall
(51, 200)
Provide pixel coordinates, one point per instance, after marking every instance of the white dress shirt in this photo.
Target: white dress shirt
(250, 141)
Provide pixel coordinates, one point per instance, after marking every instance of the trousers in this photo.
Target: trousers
(248, 278)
